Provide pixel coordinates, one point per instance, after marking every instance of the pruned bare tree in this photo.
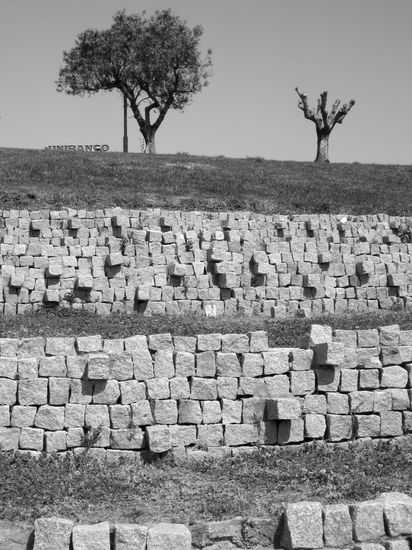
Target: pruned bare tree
(325, 121)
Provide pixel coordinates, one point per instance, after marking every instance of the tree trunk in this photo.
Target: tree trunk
(322, 152)
(150, 143)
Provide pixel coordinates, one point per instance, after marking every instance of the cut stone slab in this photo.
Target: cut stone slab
(130, 536)
(52, 534)
(91, 537)
(303, 526)
(397, 511)
(158, 438)
(320, 334)
(337, 525)
(367, 520)
(170, 536)
(284, 408)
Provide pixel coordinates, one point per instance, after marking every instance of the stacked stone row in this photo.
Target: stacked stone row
(381, 524)
(175, 262)
(162, 392)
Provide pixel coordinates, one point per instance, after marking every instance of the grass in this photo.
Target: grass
(290, 332)
(256, 485)
(34, 180)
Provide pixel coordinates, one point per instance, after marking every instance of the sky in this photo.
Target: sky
(262, 50)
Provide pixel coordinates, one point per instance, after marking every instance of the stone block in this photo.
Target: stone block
(130, 536)
(158, 388)
(98, 366)
(227, 388)
(81, 391)
(8, 367)
(397, 511)
(369, 379)
(76, 366)
(185, 343)
(59, 391)
(165, 411)
(339, 427)
(349, 380)
(329, 354)
(241, 434)
(184, 363)
(142, 413)
(368, 338)
(120, 416)
(31, 347)
(22, 416)
(182, 435)
(30, 392)
(91, 537)
(212, 412)
(361, 401)
(8, 391)
(302, 382)
(252, 364)
(367, 520)
(55, 441)
(300, 359)
(209, 342)
(52, 533)
(291, 431)
(172, 536)
(142, 364)
(277, 386)
(390, 355)
(162, 341)
(401, 399)
(327, 379)
(394, 377)
(303, 526)
(235, 343)
(382, 401)
(283, 408)
(367, 425)
(314, 404)
(163, 364)
(203, 389)
(106, 392)
(60, 346)
(32, 439)
(132, 391)
(89, 344)
(158, 438)
(28, 367)
(258, 341)
(337, 525)
(5, 415)
(391, 423)
(315, 426)
(179, 388)
(337, 403)
(227, 364)
(405, 354)
(320, 334)
(74, 415)
(121, 366)
(49, 418)
(368, 358)
(96, 415)
(276, 361)
(127, 438)
(231, 411)
(205, 364)
(389, 335)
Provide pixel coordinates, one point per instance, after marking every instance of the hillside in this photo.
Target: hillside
(34, 180)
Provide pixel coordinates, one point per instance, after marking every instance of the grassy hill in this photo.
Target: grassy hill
(31, 179)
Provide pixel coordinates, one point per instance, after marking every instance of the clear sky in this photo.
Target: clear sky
(262, 50)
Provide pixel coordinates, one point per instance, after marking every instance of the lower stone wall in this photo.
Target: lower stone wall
(381, 524)
(157, 393)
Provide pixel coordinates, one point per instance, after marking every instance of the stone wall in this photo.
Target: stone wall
(174, 262)
(213, 391)
(381, 524)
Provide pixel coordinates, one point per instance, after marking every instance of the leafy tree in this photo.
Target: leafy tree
(154, 61)
(325, 121)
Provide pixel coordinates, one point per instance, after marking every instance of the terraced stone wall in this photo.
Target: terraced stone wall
(213, 392)
(175, 262)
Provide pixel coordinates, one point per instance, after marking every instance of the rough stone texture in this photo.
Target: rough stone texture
(397, 510)
(283, 409)
(169, 535)
(91, 537)
(303, 526)
(367, 520)
(158, 438)
(130, 536)
(337, 525)
(52, 534)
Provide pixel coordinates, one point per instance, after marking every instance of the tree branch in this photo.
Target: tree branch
(309, 114)
(323, 100)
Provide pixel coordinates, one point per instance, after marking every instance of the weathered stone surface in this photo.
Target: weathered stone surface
(215, 533)
(190, 412)
(203, 389)
(158, 438)
(235, 343)
(389, 335)
(8, 390)
(142, 413)
(397, 510)
(121, 365)
(52, 534)
(302, 382)
(165, 411)
(315, 426)
(209, 342)
(339, 427)
(169, 535)
(89, 344)
(394, 377)
(106, 392)
(241, 434)
(320, 334)
(9, 438)
(276, 361)
(50, 418)
(303, 526)
(91, 537)
(130, 536)
(329, 354)
(290, 431)
(337, 525)
(55, 441)
(227, 364)
(327, 379)
(127, 438)
(210, 435)
(98, 366)
(391, 423)
(283, 408)
(60, 346)
(31, 438)
(367, 520)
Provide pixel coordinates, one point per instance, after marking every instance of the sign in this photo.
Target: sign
(90, 148)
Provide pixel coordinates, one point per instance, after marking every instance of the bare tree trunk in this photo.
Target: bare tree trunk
(150, 142)
(322, 152)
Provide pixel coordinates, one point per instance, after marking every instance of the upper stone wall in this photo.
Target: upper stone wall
(174, 262)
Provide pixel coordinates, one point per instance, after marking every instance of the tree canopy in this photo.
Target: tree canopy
(154, 61)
